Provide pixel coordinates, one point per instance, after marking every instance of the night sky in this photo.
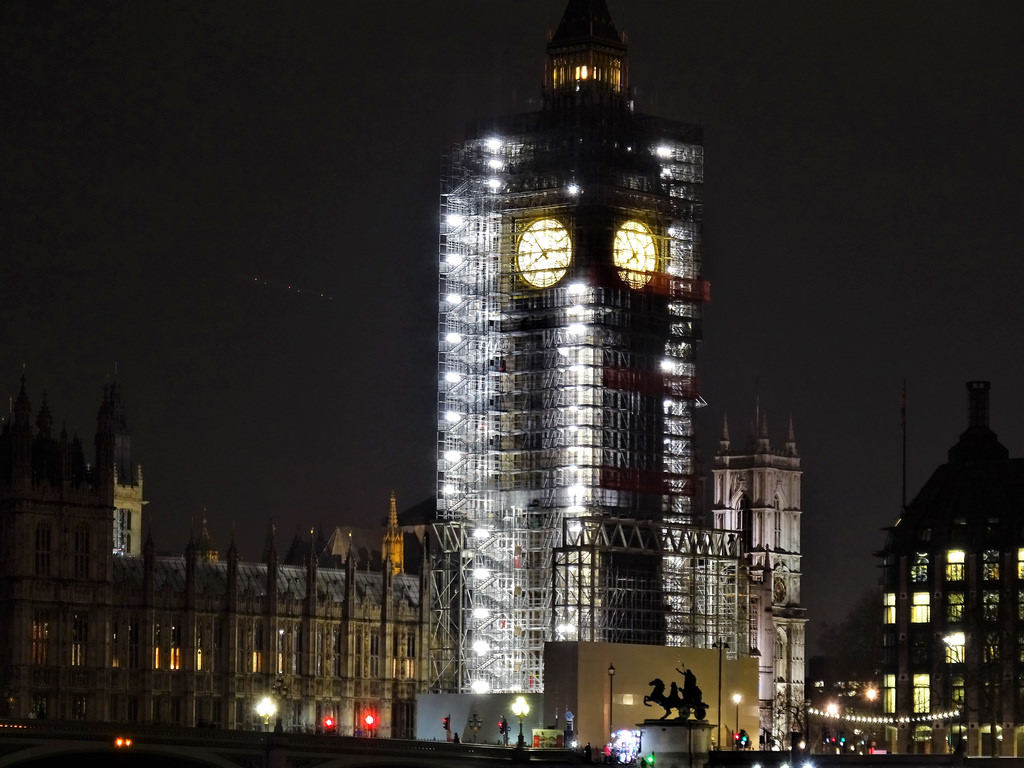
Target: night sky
(233, 207)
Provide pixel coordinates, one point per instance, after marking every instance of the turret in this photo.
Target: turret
(21, 437)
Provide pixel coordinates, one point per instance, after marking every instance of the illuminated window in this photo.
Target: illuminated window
(257, 648)
(954, 607)
(920, 611)
(991, 647)
(957, 685)
(79, 639)
(156, 645)
(919, 569)
(990, 605)
(889, 694)
(990, 565)
(1020, 563)
(175, 655)
(40, 637)
(922, 694)
(954, 648)
(955, 565)
(889, 608)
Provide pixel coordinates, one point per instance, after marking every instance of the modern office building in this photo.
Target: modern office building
(953, 602)
(570, 314)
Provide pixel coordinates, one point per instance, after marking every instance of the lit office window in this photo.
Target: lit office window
(920, 611)
(955, 565)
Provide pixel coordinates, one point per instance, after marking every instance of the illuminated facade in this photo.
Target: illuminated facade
(95, 633)
(757, 493)
(570, 313)
(953, 602)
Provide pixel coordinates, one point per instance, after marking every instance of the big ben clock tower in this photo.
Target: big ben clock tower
(570, 312)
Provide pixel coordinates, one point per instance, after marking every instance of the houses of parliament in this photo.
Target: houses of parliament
(100, 627)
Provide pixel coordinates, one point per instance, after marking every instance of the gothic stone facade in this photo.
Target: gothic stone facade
(189, 639)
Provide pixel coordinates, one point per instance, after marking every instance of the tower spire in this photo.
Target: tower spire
(393, 549)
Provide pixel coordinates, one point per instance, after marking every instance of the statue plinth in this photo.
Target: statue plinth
(677, 743)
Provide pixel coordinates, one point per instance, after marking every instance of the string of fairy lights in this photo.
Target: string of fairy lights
(929, 717)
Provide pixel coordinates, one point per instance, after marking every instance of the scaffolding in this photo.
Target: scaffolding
(569, 404)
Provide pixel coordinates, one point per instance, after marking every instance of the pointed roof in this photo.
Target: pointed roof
(587, 20)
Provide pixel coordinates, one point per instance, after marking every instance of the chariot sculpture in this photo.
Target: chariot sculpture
(684, 703)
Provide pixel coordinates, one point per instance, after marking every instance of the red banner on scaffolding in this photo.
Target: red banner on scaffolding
(646, 481)
(683, 288)
(649, 382)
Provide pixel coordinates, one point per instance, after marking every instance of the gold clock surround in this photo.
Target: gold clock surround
(635, 253)
(543, 253)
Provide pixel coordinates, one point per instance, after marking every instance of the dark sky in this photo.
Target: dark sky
(236, 204)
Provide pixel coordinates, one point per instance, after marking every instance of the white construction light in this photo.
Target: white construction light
(453, 338)
(452, 456)
(455, 220)
(453, 298)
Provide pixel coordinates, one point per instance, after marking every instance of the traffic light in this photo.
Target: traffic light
(735, 741)
(842, 738)
(503, 726)
(649, 760)
(744, 739)
(329, 724)
(446, 722)
(370, 720)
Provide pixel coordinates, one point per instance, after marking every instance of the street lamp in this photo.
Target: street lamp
(520, 709)
(721, 645)
(266, 709)
(736, 699)
(833, 712)
(611, 680)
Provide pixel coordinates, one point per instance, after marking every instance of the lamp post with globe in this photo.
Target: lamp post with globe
(266, 709)
(520, 709)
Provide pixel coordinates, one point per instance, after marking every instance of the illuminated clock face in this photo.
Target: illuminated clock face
(635, 254)
(544, 253)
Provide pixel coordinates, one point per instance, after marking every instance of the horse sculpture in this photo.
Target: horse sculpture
(683, 704)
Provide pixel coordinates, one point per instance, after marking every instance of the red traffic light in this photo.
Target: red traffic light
(328, 722)
(369, 720)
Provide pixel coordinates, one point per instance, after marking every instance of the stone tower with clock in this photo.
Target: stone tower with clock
(756, 491)
(570, 313)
